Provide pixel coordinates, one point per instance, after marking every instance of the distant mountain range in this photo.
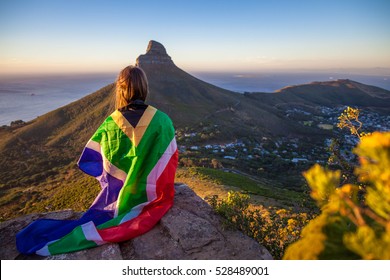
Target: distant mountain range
(56, 139)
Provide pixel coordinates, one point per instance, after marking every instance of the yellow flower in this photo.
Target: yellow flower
(322, 182)
(311, 244)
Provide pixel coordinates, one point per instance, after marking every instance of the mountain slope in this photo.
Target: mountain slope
(340, 92)
(34, 154)
(190, 101)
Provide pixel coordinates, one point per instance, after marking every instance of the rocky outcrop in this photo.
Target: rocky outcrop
(155, 54)
(190, 230)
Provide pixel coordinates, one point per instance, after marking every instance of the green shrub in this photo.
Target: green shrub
(274, 228)
(350, 227)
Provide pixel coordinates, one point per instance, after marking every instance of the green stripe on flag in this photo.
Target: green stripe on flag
(153, 144)
(97, 136)
(116, 146)
(73, 241)
(136, 161)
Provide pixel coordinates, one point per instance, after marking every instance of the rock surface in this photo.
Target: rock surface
(190, 230)
(155, 54)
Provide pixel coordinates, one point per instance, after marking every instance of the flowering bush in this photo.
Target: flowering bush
(349, 227)
(272, 227)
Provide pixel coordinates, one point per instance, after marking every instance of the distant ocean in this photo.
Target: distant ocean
(269, 82)
(27, 97)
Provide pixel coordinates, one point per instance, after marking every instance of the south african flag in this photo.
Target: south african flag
(133, 154)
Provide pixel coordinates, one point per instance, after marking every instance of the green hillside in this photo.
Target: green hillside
(38, 159)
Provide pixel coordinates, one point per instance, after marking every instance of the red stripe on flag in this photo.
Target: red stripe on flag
(152, 213)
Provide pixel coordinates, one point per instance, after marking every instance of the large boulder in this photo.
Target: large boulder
(190, 230)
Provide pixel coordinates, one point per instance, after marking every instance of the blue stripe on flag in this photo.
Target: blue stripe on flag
(91, 162)
(40, 232)
(110, 192)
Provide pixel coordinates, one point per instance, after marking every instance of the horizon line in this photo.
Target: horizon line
(355, 70)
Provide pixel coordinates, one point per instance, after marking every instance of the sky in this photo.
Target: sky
(38, 36)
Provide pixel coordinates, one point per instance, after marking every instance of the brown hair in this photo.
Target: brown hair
(131, 85)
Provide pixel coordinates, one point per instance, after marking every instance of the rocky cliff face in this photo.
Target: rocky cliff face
(155, 54)
(190, 230)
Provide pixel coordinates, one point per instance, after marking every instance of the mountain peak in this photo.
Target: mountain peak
(155, 47)
(155, 54)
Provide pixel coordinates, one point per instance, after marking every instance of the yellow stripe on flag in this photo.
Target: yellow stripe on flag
(134, 134)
